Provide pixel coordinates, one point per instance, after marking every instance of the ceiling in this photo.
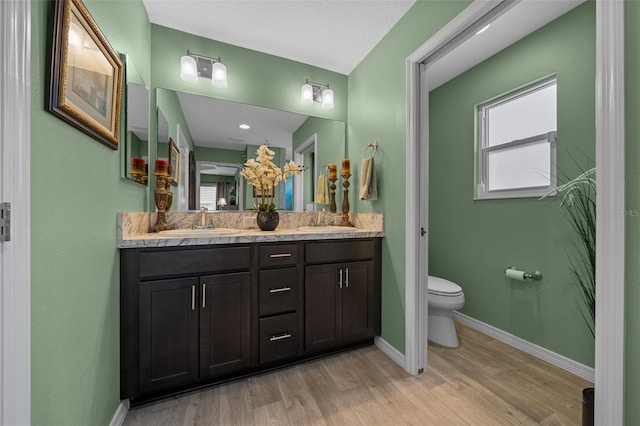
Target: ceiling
(335, 35)
(213, 123)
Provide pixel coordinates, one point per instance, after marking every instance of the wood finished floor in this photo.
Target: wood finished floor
(483, 382)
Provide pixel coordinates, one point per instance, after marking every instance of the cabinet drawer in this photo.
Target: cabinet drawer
(339, 251)
(193, 262)
(278, 255)
(278, 337)
(278, 290)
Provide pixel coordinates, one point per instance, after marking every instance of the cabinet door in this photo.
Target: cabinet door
(224, 324)
(357, 321)
(168, 333)
(323, 313)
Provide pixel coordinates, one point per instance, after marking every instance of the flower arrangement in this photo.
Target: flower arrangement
(263, 174)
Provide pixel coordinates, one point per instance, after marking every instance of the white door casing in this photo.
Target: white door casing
(15, 257)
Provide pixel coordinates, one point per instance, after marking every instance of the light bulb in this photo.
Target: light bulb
(327, 99)
(219, 74)
(306, 94)
(188, 69)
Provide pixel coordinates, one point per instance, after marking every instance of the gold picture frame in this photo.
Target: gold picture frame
(174, 162)
(257, 192)
(85, 74)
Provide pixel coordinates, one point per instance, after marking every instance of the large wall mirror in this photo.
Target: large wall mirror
(136, 147)
(220, 135)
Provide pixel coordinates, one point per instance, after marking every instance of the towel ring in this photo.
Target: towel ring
(374, 148)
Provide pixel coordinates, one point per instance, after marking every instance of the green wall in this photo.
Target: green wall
(76, 191)
(472, 242)
(330, 148)
(377, 112)
(632, 369)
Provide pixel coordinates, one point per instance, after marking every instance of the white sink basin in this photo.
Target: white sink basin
(326, 229)
(195, 233)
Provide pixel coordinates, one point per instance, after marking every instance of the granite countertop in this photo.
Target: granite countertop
(132, 231)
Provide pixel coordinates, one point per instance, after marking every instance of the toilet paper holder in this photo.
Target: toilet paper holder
(537, 275)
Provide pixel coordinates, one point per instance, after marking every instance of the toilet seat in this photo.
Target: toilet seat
(441, 287)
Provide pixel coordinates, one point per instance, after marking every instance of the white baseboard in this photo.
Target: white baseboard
(391, 352)
(120, 414)
(544, 354)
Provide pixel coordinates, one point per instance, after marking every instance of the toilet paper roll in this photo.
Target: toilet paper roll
(514, 274)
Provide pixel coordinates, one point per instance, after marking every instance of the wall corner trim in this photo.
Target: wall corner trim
(120, 414)
(391, 352)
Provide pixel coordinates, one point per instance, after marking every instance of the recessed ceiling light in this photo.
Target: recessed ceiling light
(244, 126)
(483, 29)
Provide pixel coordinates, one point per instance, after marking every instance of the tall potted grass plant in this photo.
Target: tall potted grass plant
(578, 199)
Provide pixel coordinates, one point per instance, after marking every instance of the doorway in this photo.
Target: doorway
(610, 151)
(304, 192)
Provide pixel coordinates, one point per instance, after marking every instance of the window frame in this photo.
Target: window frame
(483, 150)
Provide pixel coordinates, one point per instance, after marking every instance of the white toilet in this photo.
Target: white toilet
(444, 298)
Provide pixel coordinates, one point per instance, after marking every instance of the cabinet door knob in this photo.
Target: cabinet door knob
(204, 296)
(275, 337)
(279, 290)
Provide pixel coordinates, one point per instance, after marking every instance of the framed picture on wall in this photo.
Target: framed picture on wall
(174, 162)
(257, 192)
(85, 74)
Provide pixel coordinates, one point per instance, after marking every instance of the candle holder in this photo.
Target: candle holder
(163, 198)
(345, 200)
(333, 208)
(140, 177)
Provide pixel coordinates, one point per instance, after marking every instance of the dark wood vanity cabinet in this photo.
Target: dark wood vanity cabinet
(196, 315)
(175, 331)
(342, 300)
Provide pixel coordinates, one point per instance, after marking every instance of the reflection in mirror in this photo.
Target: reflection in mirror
(221, 146)
(136, 158)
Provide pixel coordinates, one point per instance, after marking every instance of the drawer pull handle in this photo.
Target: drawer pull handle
(279, 290)
(340, 280)
(275, 256)
(279, 337)
(347, 279)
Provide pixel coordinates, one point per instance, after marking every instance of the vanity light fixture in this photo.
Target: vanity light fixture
(318, 92)
(193, 65)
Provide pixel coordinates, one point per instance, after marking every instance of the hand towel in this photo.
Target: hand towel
(368, 186)
(322, 191)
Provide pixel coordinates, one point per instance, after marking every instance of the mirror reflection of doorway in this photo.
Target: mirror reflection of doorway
(304, 184)
(218, 186)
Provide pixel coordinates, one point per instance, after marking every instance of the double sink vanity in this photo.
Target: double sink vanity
(201, 306)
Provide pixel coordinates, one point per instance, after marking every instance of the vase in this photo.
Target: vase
(268, 221)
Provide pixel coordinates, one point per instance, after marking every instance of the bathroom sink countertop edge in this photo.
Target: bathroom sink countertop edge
(176, 238)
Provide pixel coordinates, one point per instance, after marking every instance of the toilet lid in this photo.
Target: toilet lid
(443, 287)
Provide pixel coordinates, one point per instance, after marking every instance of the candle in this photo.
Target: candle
(161, 167)
(137, 165)
(333, 173)
(346, 167)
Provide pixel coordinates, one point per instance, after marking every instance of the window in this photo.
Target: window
(517, 143)
(208, 197)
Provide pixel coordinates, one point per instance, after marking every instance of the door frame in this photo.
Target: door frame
(610, 161)
(298, 188)
(15, 187)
